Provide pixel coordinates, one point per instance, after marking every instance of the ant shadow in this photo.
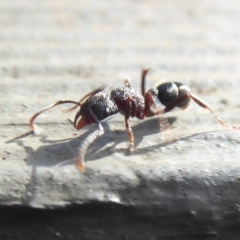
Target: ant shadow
(65, 151)
(54, 152)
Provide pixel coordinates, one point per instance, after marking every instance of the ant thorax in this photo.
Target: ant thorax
(129, 100)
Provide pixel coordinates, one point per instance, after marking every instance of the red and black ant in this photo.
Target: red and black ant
(97, 105)
(176, 94)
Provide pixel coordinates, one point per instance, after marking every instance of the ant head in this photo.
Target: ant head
(183, 90)
(167, 92)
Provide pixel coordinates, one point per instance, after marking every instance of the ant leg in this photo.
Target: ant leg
(151, 100)
(127, 123)
(143, 80)
(130, 134)
(87, 141)
(204, 105)
(33, 127)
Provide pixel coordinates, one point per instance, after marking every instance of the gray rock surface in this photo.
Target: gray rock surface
(187, 177)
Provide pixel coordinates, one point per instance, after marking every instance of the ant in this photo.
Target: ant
(97, 106)
(176, 94)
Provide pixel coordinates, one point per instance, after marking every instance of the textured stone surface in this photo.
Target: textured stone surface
(61, 50)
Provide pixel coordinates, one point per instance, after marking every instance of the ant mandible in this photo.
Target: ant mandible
(97, 105)
(176, 94)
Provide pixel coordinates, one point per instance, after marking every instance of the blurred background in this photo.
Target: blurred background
(73, 45)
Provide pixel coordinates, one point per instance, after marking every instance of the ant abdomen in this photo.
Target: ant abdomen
(101, 105)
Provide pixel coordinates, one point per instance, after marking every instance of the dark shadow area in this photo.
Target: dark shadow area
(53, 152)
(65, 151)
